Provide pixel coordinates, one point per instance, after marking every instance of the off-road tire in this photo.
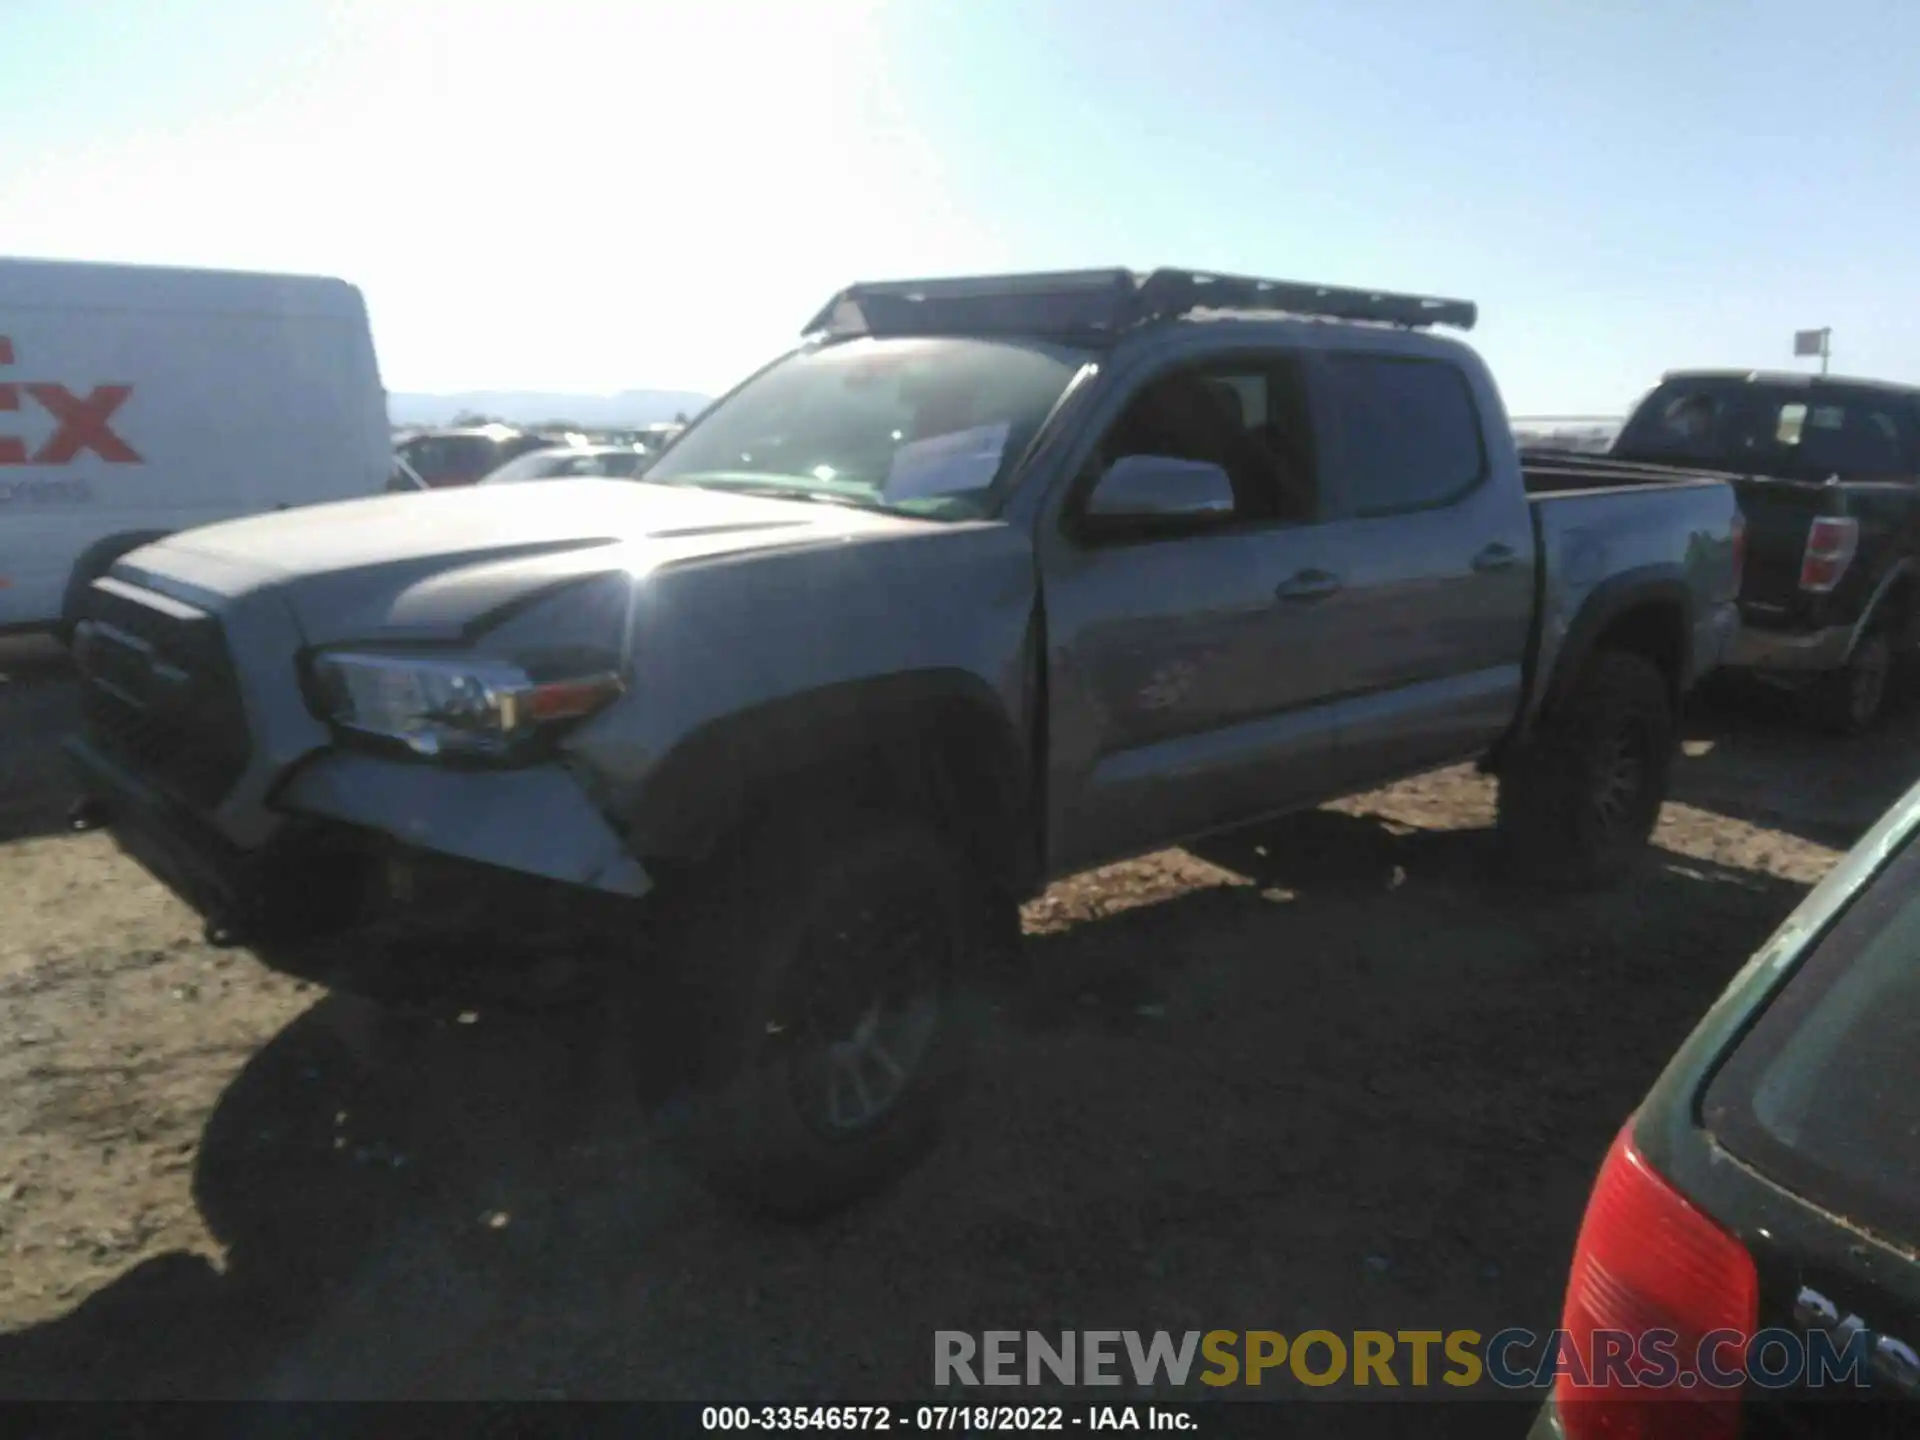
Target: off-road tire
(1848, 701)
(751, 949)
(1579, 801)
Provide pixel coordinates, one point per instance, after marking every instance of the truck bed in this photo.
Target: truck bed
(1597, 519)
(1554, 472)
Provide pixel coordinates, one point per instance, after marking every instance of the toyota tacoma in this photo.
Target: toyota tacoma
(987, 582)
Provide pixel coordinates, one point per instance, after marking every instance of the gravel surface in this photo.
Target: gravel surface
(1335, 1073)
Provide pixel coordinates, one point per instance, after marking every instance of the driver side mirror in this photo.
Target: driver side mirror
(1154, 494)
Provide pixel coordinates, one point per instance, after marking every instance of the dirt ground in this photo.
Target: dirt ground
(1334, 1074)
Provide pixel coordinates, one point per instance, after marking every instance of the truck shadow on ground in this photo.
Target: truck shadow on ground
(1359, 1084)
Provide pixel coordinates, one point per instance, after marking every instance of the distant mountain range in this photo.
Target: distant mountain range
(533, 407)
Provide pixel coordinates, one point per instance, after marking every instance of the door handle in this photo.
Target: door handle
(1307, 586)
(1495, 557)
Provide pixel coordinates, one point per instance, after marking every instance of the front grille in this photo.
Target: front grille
(160, 696)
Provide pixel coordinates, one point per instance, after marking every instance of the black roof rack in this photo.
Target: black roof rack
(1107, 302)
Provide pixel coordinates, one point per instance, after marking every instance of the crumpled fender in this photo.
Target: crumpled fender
(535, 820)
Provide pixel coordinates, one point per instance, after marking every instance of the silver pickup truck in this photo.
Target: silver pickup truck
(987, 582)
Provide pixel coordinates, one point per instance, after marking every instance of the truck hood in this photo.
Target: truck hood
(436, 565)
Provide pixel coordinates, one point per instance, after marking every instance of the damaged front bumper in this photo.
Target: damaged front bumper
(383, 874)
(537, 821)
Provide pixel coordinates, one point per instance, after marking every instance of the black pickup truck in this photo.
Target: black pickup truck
(1827, 471)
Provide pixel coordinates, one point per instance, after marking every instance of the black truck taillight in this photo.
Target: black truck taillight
(1831, 543)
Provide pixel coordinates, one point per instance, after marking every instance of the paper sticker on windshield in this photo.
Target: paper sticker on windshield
(947, 464)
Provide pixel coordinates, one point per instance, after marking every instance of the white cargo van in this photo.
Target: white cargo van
(136, 401)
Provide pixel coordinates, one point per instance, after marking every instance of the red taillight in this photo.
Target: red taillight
(1739, 550)
(1647, 1260)
(1831, 542)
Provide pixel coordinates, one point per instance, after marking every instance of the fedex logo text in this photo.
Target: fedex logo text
(81, 422)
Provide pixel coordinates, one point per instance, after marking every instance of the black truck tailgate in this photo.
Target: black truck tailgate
(1779, 514)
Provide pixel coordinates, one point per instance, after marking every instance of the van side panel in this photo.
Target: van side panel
(144, 415)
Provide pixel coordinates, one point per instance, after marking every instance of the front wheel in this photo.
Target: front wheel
(1579, 803)
(824, 987)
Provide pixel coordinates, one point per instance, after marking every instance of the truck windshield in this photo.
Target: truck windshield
(925, 426)
(1795, 431)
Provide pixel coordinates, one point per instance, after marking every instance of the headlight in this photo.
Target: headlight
(454, 705)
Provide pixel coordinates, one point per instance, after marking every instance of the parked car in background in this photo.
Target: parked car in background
(987, 582)
(563, 461)
(136, 401)
(1770, 1184)
(657, 437)
(1829, 480)
(448, 458)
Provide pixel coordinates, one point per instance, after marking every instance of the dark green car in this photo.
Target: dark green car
(1750, 1258)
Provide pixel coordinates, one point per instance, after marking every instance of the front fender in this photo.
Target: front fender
(758, 668)
(909, 725)
(537, 820)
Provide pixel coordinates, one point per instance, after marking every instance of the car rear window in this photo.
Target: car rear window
(1821, 1094)
(441, 455)
(1794, 430)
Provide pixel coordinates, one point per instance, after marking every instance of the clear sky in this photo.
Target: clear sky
(557, 194)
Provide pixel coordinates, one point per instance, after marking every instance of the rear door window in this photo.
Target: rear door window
(1408, 432)
(1822, 1094)
(1855, 439)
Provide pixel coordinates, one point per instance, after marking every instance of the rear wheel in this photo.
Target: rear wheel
(1579, 803)
(1849, 700)
(824, 982)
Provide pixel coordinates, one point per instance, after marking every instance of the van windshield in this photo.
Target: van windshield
(931, 427)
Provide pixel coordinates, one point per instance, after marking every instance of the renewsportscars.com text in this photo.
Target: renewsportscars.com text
(1513, 1359)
